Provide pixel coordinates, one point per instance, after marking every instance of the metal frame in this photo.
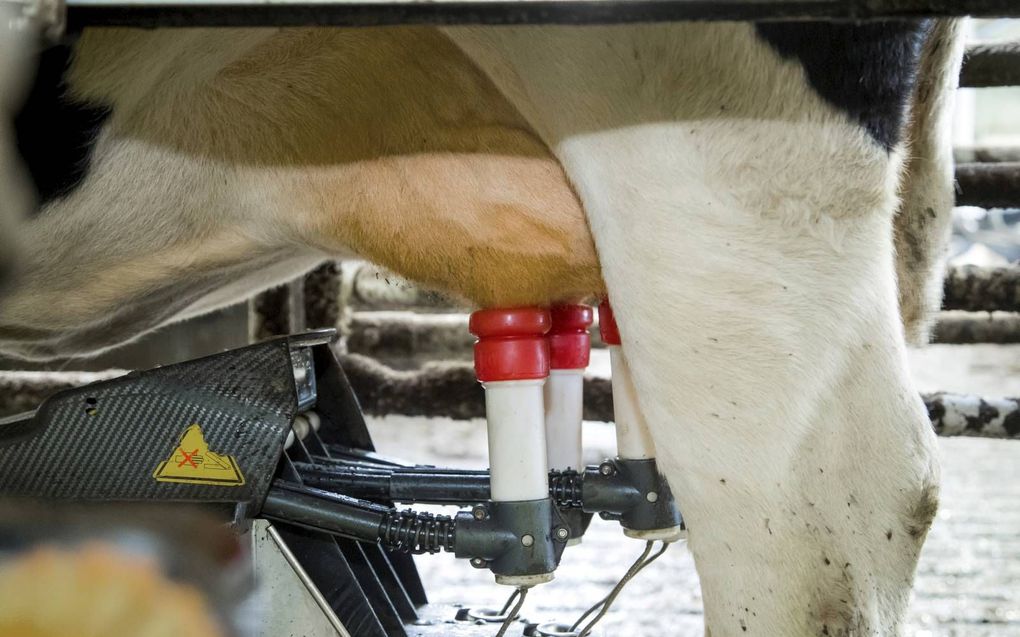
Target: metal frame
(330, 497)
(336, 484)
(222, 13)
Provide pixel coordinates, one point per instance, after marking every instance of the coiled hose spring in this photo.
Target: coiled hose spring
(417, 533)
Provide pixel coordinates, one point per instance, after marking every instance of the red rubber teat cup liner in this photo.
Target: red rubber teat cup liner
(511, 344)
(569, 341)
(607, 324)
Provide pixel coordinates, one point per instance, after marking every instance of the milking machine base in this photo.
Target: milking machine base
(271, 438)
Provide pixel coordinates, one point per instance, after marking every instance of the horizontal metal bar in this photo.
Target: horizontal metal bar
(333, 513)
(988, 185)
(616, 488)
(402, 531)
(962, 415)
(404, 340)
(402, 485)
(395, 335)
(192, 13)
(990, 65)
(424, 485)
(450, 390)
(986, 154)
(966, 328)
(980, 289)
(376, 329)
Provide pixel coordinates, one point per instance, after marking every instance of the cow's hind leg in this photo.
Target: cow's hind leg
(743, 223)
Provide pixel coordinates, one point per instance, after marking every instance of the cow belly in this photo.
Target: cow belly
(500, 231)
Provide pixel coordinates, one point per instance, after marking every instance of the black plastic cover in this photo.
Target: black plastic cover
(111, 440)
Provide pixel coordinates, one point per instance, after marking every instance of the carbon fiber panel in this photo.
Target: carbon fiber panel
(105, 441)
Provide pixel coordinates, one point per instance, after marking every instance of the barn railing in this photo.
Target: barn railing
(450, 389)
(385, 318)
(991, 65)
(435, 344)
(979, 307)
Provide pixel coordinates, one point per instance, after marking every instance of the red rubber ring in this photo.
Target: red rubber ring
(511, 343)
(569, 341)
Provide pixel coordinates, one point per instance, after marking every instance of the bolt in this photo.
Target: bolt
(477, 562)
(652, 496)
(607, 469)
(479, 512)
(527, 540)
(562, 533)
(463, 614)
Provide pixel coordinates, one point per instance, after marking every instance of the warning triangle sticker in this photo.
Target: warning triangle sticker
(191, 462)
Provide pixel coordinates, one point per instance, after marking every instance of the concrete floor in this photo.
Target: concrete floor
(968, 582)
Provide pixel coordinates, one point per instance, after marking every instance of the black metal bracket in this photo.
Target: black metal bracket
(512, 539)
(629, 491)
(634, 493)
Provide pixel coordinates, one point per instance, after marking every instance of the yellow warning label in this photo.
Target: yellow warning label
(193, 463)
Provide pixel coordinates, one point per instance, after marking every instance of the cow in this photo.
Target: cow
(764, 204)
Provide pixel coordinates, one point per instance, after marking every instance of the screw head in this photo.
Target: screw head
(527, 540)
(652, 496)
(479, 512)
(477, 562)
(562, 533)
(607, 469)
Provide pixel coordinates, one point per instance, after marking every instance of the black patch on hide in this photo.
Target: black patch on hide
(866, 69)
